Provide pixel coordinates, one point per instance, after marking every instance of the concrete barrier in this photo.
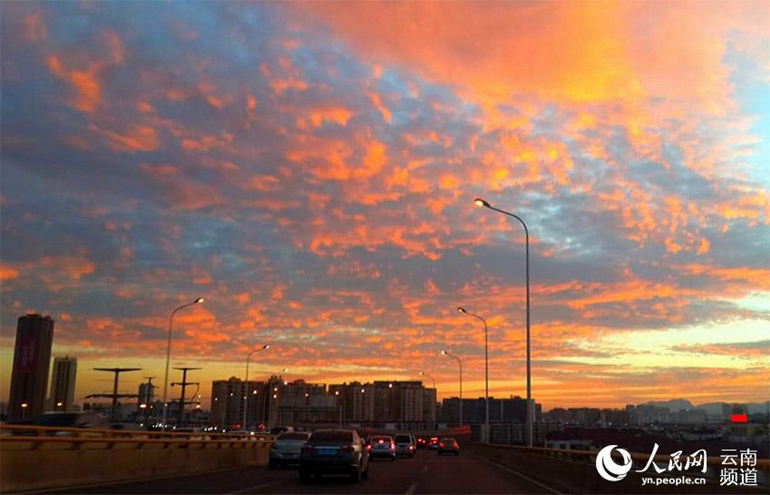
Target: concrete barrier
(45, 463)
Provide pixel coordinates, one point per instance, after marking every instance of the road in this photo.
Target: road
(426, 473)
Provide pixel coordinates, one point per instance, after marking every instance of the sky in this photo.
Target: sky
(310, 169)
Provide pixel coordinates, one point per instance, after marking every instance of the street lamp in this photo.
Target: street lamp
(246, 395)
(168, 357)
(481, 202)
(447, 353)
(486, 365)
(433, 406)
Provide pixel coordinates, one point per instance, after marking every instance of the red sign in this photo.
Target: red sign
(739, 418)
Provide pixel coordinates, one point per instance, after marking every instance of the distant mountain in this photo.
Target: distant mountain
(712, 407)
(676, 405)
(758, 407)
(673, 405)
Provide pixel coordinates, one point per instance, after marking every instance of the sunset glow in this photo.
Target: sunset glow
(310, 169)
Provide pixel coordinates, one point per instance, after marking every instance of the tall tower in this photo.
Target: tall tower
(63, 383)
(31, 360)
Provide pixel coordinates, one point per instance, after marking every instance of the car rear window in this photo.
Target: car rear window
(293, 436)
(331, 436)
(384, 439)
(403, 439)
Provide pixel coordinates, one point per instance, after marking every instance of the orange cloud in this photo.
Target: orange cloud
(377, 103)
(8, 273)
(580, 51)
(136, 138)
(35, 28)
(85, 82)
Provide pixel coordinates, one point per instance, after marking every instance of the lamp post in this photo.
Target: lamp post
(246, 395)
(433, 406)
(337, 395)
(447, 353)
(486, 366)
(530, 412)
(168, 358)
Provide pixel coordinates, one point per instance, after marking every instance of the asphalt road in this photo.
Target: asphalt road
(426, 473)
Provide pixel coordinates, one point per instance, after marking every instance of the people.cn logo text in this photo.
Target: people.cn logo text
(608, 468)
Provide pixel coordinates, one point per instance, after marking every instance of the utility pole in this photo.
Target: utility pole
(184, 384)
(115, 395)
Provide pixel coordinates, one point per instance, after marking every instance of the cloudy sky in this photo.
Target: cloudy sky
(310, 169)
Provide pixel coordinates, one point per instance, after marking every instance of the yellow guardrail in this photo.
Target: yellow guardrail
(78, 456)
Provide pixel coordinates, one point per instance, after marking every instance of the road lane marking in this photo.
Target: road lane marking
(255, 487)
(411, 489)
(513, 471)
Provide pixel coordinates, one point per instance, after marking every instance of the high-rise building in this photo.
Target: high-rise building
(31, 361)
(146, 392)
(227, 402)
(63, 383)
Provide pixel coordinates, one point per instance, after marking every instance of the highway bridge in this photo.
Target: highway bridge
(47, 460)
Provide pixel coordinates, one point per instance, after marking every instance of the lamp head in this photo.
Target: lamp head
(461, 310)
(199, 300)
(443, 352)
(481, 202)
(266, 346)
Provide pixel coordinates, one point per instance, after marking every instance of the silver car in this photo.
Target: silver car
(406, 445)
(286, 448)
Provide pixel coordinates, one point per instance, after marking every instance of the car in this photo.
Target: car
(334, 451)
(286, 448)
(448, 446)
(382, 446)
(277, 430)
(405, 445)
(68, 420)
(433, 443)
(422, 443)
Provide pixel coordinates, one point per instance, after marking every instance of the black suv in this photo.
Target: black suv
(334, 452)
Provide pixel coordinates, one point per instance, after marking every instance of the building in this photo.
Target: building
(146, 393)
(357, 401)
(227, 402)
(63, 383)
(31, 362)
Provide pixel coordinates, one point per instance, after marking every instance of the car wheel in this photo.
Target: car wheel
(304, 476)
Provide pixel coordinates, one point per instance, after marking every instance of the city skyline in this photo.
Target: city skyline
(310, 171)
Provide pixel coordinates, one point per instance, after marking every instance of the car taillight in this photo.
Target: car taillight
(411, 447)
(392, 445)
(368, 448)
(441, 445)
